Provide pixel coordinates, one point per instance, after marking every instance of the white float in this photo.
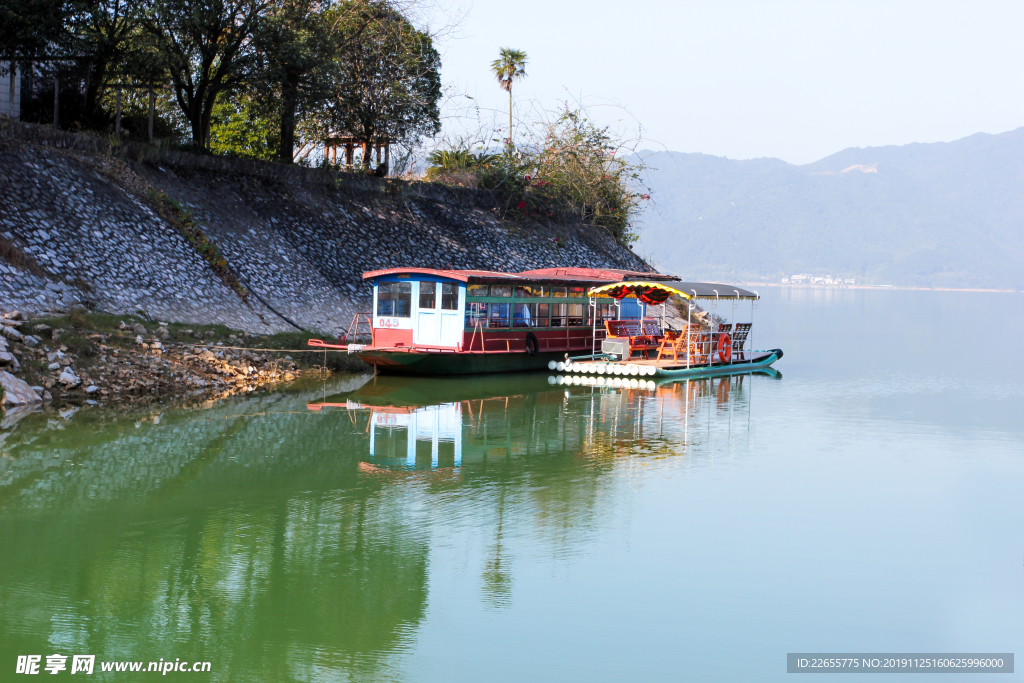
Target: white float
(552, 365)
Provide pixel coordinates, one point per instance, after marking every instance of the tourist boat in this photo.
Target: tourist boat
(452, 322)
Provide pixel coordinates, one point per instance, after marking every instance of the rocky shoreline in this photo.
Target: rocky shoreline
(94, 359)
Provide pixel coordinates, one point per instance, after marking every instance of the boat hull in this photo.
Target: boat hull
(435, 363)
(715, 370)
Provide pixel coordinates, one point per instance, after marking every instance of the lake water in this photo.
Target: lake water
(503, 529)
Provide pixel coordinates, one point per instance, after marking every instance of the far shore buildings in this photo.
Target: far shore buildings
(10, 91)
(826, 280)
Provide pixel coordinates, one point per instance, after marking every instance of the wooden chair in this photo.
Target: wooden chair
(739, 338)
(668, 345)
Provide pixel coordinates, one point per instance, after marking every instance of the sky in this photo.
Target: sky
(792, 80)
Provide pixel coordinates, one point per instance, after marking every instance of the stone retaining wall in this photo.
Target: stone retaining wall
(297, 238)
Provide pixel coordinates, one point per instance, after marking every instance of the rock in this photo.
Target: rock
(14, 315)
(39, 391)
(137, 328)
(12, 333)
(16, 391)
(6, 358)
(31, 340)
(49, 384)
(138, 340)
(92, 389)
(53, 356)
(53, 366)
(69, 379)
(42, 330)
(162, 332)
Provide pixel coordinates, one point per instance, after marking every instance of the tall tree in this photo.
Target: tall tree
(296, 53)
(207, 47)
(388, 78)
(34, 29)
(106, 28)
(508, 67)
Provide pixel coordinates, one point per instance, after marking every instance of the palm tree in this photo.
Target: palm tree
(509, 67)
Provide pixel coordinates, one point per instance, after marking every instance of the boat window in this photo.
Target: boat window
(605, 312)
(541, 290)
(558, 315)
(558, 292)
(577, 292)
(394, 299)
(427, 294)
(540, 318)
(449, 296)
(575, 315)
(522, 315)
(501, 290)
(477, 290)
(524, 290)
(476, 312)
(498, 315)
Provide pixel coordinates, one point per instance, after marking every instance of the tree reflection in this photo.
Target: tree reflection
(281, 543)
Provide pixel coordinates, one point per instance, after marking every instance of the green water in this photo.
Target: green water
(501, 528)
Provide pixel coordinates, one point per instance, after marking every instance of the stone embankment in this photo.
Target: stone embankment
(170, 236)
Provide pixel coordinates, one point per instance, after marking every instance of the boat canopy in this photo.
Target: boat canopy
(710, 290)
(648, 292)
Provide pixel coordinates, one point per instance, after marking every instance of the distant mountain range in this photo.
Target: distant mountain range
(933, 215)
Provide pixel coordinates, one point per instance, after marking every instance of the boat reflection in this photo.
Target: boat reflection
(445, 423)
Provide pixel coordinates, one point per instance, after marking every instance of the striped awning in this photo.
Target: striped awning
(647, 292)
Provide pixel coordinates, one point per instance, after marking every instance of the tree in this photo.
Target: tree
(296, 52)
(508, 67)
(106, 29)
(207, 47)
(388, 77)
(34, 29)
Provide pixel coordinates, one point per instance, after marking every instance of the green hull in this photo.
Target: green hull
(754, 364)
(412, 363)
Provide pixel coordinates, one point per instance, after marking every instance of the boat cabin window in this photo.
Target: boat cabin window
(477, 290)
(575, 315)
(605, 312)
(499, 315)
(558, 292)
(449, 296)
(577, 292)
(530, 315)
(524, 291)
(476, 313)
(394, 299)
(501, 290)
(541, 290)
(558, 314)
(427, 292)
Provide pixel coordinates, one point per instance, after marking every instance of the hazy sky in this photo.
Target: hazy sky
(791, 80)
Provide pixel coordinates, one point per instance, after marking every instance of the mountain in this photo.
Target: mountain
(935, 215)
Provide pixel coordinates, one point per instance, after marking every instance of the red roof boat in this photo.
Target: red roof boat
(446, 322)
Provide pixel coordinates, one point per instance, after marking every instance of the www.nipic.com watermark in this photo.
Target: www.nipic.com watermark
(898, 662)
(86, 664)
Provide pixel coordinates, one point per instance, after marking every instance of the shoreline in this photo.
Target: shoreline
(880, 287)
(76, 358)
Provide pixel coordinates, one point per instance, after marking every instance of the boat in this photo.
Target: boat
(458, 322)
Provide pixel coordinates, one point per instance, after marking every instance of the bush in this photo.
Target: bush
(575, 169)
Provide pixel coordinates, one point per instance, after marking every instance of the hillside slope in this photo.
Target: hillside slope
(939, 214)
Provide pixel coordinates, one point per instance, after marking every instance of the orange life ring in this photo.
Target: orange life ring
(724, 347)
